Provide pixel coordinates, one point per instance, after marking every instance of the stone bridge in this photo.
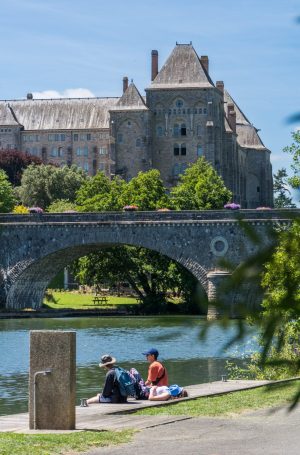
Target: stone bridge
(34, 247)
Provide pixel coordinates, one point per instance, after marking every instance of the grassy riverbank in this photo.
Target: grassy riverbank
(42, 444)
(231, 403)
(76, 301)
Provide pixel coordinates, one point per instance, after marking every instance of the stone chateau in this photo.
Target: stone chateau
(183, 116)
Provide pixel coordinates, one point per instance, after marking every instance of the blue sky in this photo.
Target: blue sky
(63, 45)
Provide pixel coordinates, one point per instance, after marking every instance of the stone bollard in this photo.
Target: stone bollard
(52, 380)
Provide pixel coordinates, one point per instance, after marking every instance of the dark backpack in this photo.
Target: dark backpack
(126, 382)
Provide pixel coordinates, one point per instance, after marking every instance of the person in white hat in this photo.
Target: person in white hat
(111, 391)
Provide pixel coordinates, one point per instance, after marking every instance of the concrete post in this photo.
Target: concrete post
(52, 380)
(215, 279)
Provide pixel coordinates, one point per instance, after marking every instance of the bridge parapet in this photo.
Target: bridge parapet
(172, 215)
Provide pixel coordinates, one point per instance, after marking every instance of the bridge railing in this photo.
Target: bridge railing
(172, 215)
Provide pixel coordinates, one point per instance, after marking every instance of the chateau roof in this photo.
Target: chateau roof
(7, 117)
(60, 114)
(246, 132)
(183, 69)
(131, 100)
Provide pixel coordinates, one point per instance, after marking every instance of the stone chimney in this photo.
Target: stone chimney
(220, 86)
(125, 83)
(231, 116)
(154, 64)
(204, 61)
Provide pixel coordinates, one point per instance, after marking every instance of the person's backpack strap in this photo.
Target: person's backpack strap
(160, 377)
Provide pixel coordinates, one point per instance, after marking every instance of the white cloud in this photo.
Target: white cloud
(297, 128)
(68, 93)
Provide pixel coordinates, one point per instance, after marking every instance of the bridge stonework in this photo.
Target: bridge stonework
(35, 247)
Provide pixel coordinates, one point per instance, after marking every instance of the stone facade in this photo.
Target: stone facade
(183, 116)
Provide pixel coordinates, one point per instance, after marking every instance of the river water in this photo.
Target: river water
(188, 358)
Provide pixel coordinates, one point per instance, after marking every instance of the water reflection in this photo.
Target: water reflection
(189, 360)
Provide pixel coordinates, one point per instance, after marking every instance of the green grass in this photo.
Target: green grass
(231, 403)
(70, 300)
(46, 444)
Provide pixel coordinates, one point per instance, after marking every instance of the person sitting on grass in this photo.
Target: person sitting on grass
(111, 390)
(164, 393)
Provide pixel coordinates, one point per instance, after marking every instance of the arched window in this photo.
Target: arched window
(119, 138)
(176, 130)
(183, 129)
(183, 149)
(199, 150)
(138, 142)
(176, 149)
(159, 131)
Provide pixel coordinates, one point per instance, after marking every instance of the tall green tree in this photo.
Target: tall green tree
(99, 194)
(7, 198)
(147, 191)
(282, 193)
(200, 188)
(42, 185)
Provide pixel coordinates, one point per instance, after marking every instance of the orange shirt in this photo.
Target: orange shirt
(156, 370)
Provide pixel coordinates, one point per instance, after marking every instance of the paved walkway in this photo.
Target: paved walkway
(252, 433)
(117, 416)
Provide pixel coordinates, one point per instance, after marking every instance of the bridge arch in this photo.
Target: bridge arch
(29, 282)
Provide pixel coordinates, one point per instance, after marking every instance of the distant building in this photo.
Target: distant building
(183, 116)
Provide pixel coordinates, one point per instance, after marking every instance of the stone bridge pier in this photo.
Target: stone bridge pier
(35, 247)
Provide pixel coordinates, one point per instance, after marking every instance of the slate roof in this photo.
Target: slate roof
(131, 100)
(247, 133)
(7, 117)
(182, 69)
(60, 114)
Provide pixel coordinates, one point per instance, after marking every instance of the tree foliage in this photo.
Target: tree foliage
(294, 150)
(200, 188)
(101, 194)
(282, 193)
(7, 198)
(279, 318)
(14, 163)
(42, 185)
(146, 190)
(61, 205)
